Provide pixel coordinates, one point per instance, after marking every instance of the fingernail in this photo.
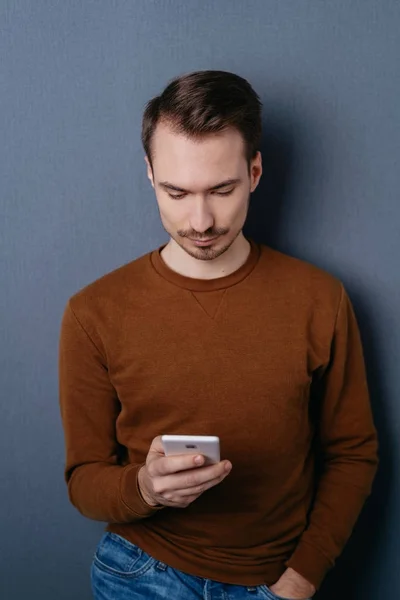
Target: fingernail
(199, 460)
(228, 467)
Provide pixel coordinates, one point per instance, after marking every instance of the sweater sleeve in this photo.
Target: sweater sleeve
(98, 486)
(348, 442)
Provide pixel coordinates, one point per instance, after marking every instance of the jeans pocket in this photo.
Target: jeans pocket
(271, 596)
(117, 556)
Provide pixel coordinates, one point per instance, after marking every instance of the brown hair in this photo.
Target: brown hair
(206, 102)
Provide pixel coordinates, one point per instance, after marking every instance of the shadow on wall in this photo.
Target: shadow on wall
(268, 200)
(353, 574)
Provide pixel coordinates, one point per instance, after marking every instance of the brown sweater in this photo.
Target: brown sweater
(269, 359)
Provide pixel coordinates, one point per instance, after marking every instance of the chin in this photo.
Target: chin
(211, 252)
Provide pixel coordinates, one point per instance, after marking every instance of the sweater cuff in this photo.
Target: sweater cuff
(131, 496)
(310, 563)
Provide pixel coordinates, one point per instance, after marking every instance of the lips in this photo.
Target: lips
(203, 242)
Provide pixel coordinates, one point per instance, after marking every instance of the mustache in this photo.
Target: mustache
(210, 233)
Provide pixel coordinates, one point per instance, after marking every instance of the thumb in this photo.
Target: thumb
(156, 447)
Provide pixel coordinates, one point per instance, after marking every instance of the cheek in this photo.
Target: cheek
(236, 210)
(173, 213)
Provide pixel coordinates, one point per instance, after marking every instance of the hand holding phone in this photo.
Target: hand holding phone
(206, 445)
(177, 480)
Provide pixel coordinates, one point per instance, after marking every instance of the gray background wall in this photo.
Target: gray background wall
(75, 203)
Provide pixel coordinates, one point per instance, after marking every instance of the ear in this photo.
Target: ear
(149, 171)
(255, 171)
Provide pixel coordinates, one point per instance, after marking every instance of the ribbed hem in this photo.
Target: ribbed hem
(193, 561)
(310, 563)
(131, 496)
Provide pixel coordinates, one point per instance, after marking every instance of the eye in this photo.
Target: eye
(180, 196)
(176, 196)
(224, 193)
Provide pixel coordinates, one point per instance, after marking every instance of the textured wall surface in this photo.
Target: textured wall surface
(75, 203)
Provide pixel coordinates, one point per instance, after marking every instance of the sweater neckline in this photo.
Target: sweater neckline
(205, 285)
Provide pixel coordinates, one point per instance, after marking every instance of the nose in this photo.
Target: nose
(201, 217)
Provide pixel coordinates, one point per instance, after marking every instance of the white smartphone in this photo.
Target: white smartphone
(207, 445)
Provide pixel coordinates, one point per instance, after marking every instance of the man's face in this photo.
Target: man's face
(203, 188)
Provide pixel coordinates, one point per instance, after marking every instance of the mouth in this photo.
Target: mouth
(203, 242)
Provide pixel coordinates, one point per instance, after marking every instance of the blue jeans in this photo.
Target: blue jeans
(122, 571)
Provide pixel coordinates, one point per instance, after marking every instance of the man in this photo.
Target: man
(213, 334)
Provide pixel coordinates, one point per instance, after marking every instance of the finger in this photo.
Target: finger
(179, 502)
(192, 478)
(196, 477)
(183, 498)
(156, 446)
(167, 465)
(200, 489)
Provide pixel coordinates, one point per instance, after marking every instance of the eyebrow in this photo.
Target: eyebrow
(169, 186)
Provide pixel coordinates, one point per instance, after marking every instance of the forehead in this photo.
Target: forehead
(197, 161)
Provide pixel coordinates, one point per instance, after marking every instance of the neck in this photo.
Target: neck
(230, 261)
